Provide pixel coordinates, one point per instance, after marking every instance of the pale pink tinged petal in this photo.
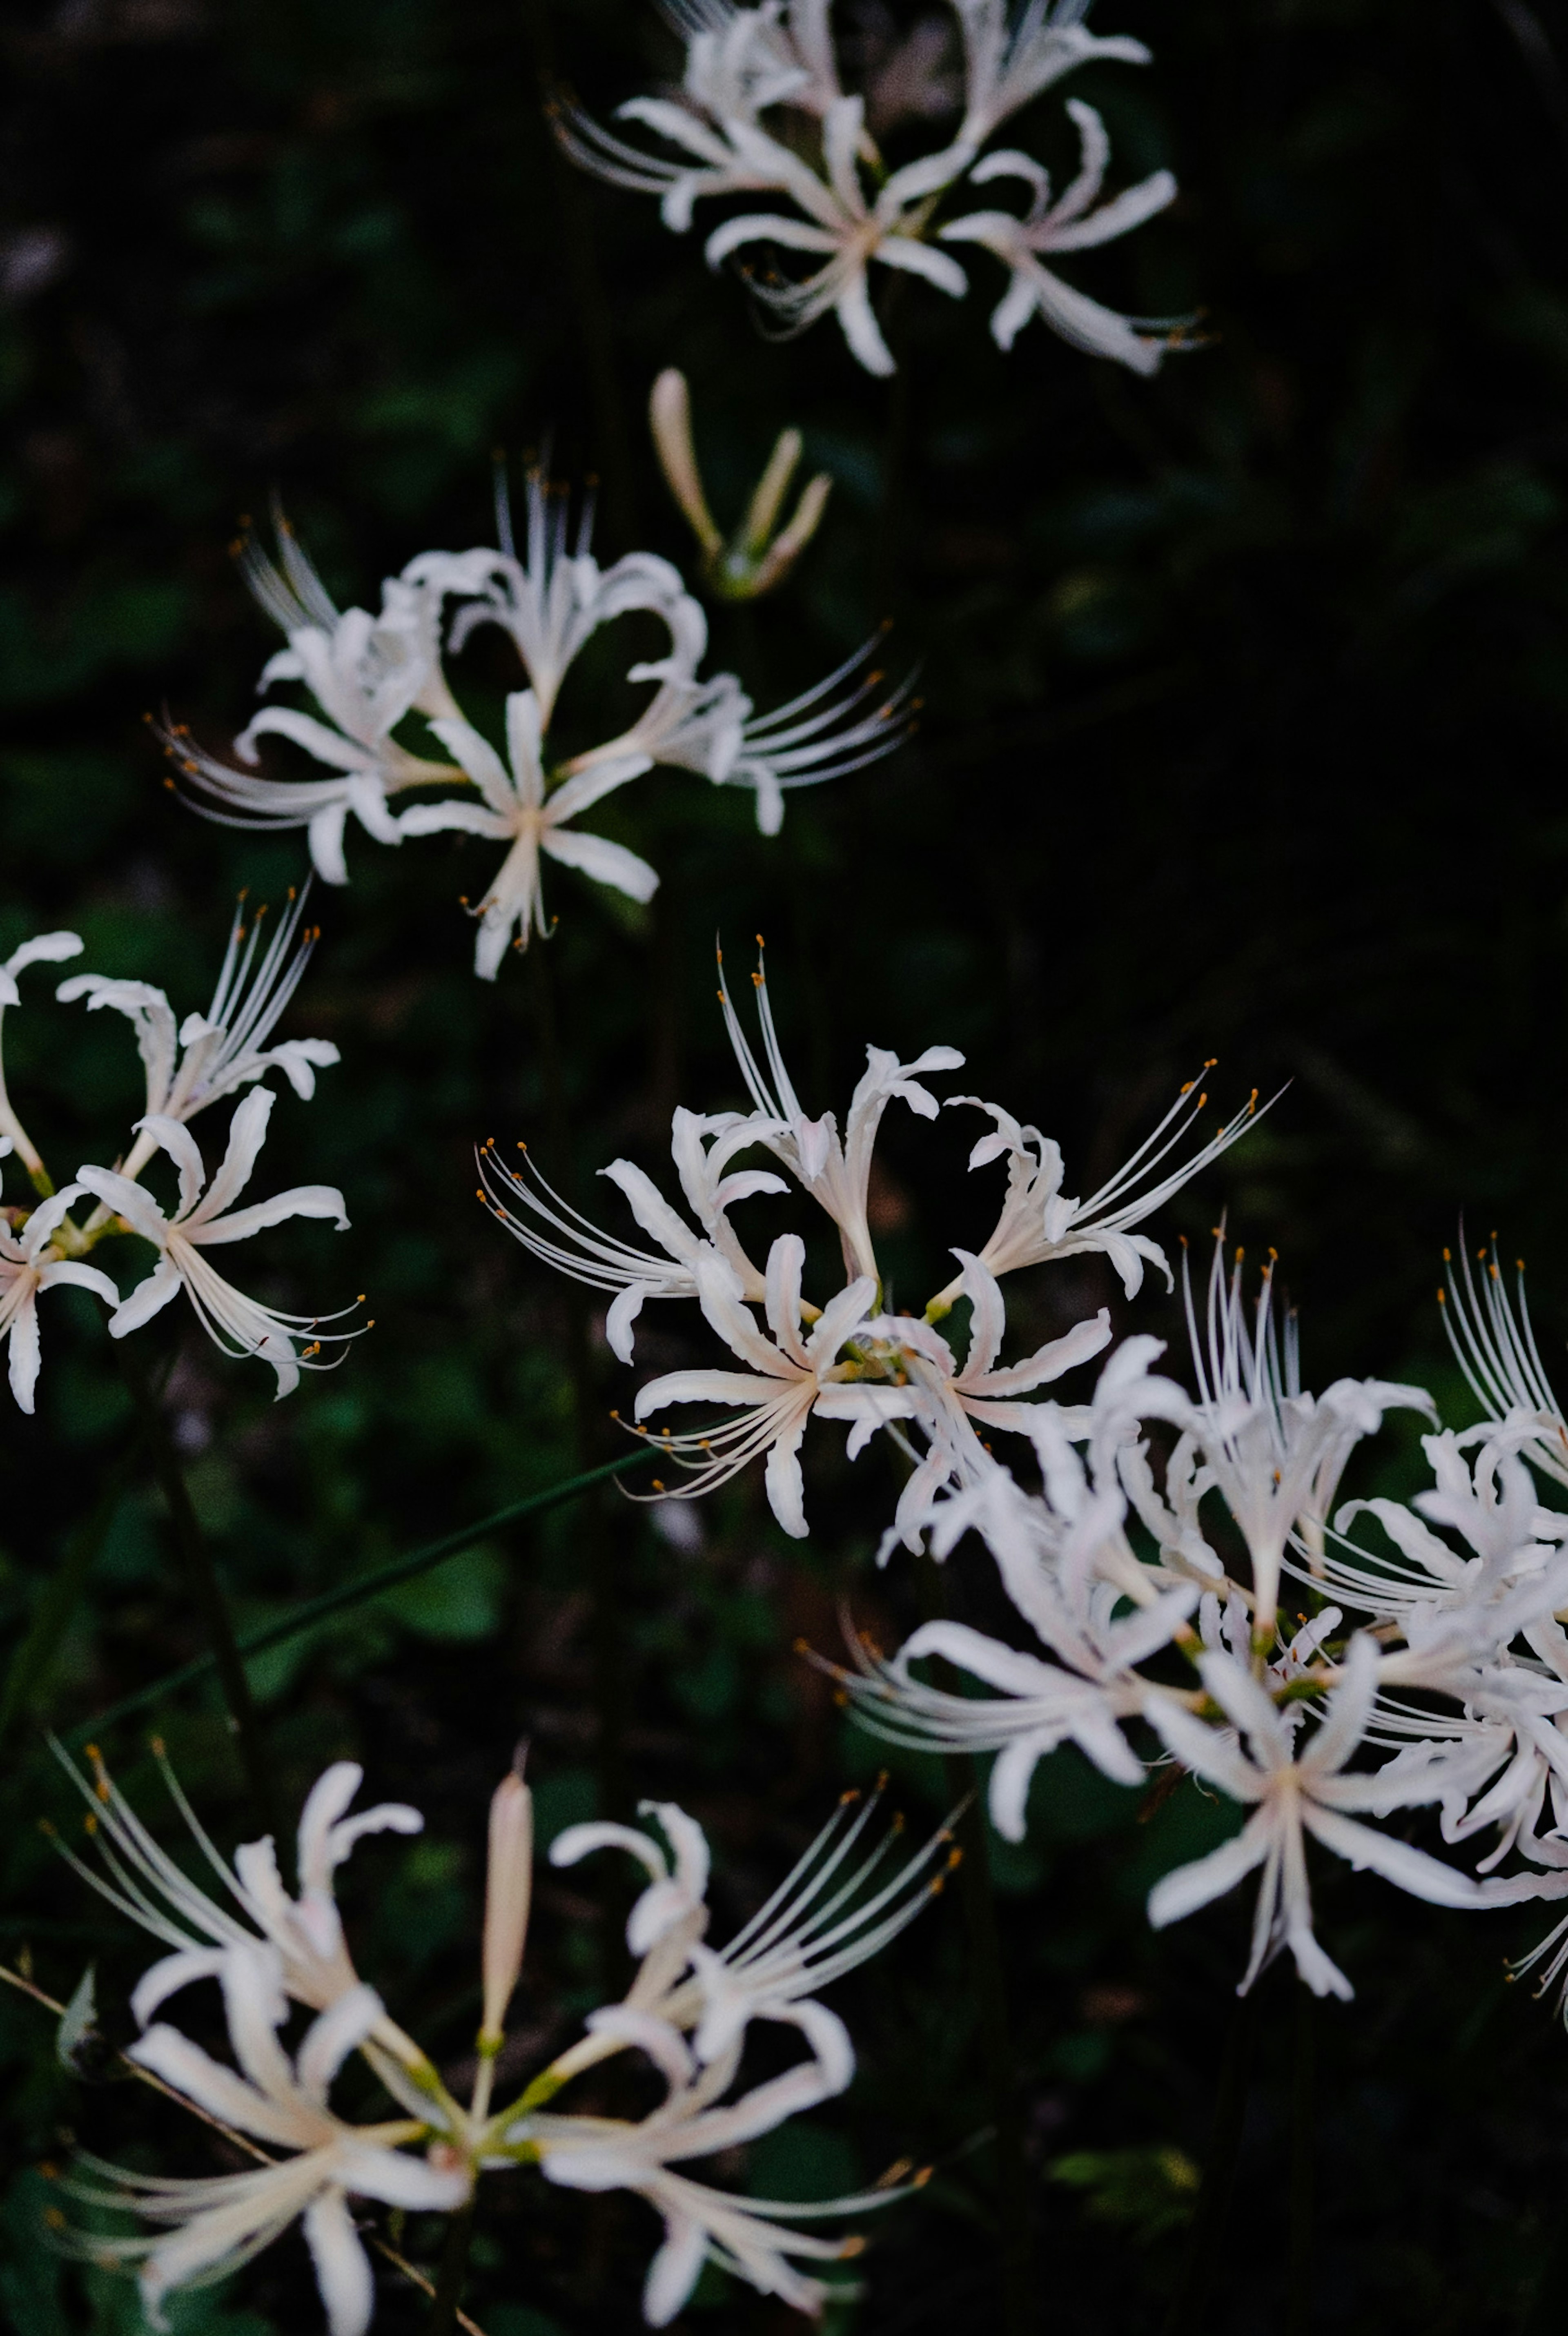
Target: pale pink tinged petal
(337, 2032)
(343, 2271)
(1099, 1739)
(246, 1135)
(1203, 1749)
(704, 1387)
(171, 1137)
(1127, 211)
(988, 1658)
(689, 1843)
(148, 1298)
(653, 1211)
(457, 818)
(665, 2046)
(524, 736)
(45, 1220)
(842, 128)
(23, 1331)
(718, 1294)
(255, 2005)
(44, 949)
(1177, 1895)
(1011, 1776)
(860, 327)
(1133, 1640)
(579, 794)
(1240, 1697)
(1080, 1344)
(1350, 1709)
(326, 1804)
(839, 1318)
(604, 862)
(1410, 1869)
(936, 268)
(623, 1312)
(481, 761)
(213, 2088)
(987, 1322)
(167, 1977)
(397, 2179)
(324, 834)
(785, 1265)
(826, 2034)
(576, 1841)
(674, 2270)
(785, 1489)
(329, 746)
(767, 227)
(301, 1200)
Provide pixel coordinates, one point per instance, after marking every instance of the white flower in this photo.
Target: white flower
(1038, 1222)
(559, 1234)
(741, 2234)
(212, 1055)
(516, 811)
(366, 673)
(44, 949)
(1500, 1358)
(1067, 225)
(206, 1218)
(153, 1891)
(836, 1175)
(1294, 1795)
(824, 1918)
(1276, 1453)
(788, 1373)
(27, 1266)
(221, 2221)
(1009, 65)
(946, 1400)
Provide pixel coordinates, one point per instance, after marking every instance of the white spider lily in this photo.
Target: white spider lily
(28, 1266)
(1498, 1353)
(44, 949)
(1007, 65)
(848, 230)
(1069, 224)
(742, 2234)
(1276, 1453)
(788, 1373)
(952, 1403)
(366, 674)
(831, 1912)
(516, 811)
(152, 1890)
(221, 2222)
(208, 1055)
(1293, 1795)
(836, 1175)
(1038, 1222)
(206, 1218)
(1036, 1706)
(562, 1236)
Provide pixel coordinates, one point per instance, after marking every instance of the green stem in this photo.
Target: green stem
(205, 1589)
(1219, 2171)
(359, 1592)
(1304, 2120)
(1020, 2313)
(453, 2272)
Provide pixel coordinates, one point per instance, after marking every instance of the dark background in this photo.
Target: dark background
(1244, 696)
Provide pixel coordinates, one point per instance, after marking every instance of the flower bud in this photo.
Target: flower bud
(754, 559)
(508, 1889)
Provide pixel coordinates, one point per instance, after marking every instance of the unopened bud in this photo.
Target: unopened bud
(507, 1889)
(754, 559)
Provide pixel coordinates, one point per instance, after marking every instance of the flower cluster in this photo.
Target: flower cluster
(762, 110)
(686, 2013)
(190, 1066)
(1150, 1580)
(380, 691)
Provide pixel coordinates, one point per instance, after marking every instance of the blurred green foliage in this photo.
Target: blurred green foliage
(1244, 704)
